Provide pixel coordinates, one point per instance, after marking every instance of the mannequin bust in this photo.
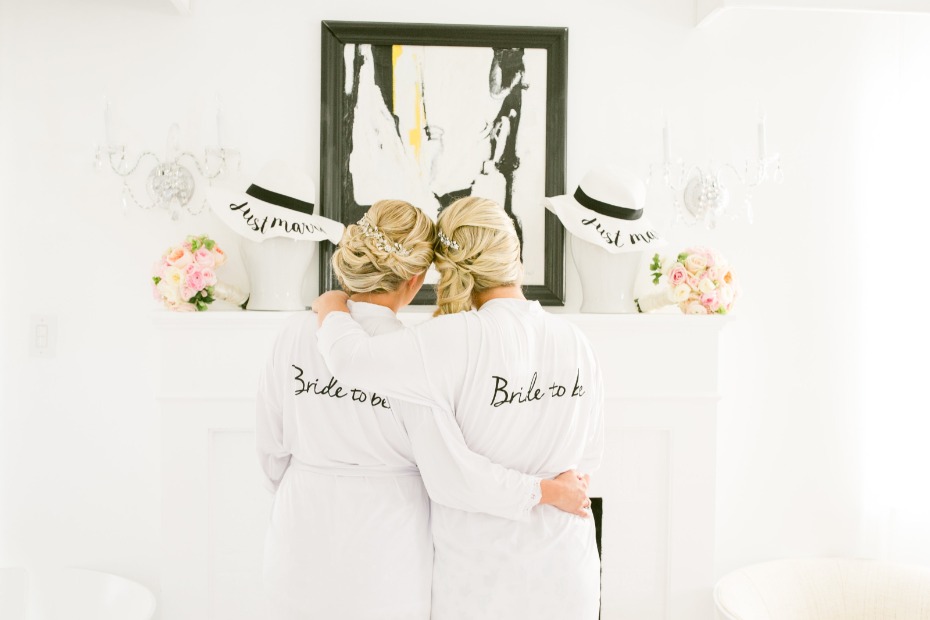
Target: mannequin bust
(276, 268)
(607, 280)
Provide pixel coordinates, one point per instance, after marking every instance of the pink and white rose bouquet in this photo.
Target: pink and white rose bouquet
(698, 281)
(185, 276)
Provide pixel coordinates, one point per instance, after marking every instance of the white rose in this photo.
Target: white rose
(706, 285)
(184, 307)
(695, 307)
(681, 292)
(695, 263)
(173, 276)
(169, 291)
(726, 294)
(219, 257)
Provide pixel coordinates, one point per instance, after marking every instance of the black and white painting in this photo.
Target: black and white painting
(430, 124)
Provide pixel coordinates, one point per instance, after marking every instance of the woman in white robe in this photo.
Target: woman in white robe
(349, 535)
(523, 386)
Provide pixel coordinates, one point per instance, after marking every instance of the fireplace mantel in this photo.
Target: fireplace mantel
(657, 479)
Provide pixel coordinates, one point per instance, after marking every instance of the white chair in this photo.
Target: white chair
(824, 589)
(72, 594)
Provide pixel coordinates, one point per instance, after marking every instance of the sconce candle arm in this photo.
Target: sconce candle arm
(119, 153)
(203, 170)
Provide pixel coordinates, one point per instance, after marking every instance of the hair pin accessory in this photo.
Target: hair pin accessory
(381, 242)
(447, 242)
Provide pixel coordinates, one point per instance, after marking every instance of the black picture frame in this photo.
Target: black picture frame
(336, 121)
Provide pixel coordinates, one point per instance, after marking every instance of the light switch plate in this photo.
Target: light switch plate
(43, 335)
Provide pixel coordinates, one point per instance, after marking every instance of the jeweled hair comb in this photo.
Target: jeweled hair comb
(381, 242)
(447, 242)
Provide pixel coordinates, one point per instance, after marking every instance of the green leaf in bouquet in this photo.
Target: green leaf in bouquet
(209, 243)
(655, 267)
(682, 257)
(156, 279)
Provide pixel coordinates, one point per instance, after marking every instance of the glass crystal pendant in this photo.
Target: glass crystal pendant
(706, 198)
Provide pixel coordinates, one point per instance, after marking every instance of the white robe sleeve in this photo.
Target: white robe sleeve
(459, 478)
(269, 426)
(594, 447)
(397, 363)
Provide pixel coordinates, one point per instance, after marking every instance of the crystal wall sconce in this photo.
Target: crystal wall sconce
(170, 182)
(703, 195)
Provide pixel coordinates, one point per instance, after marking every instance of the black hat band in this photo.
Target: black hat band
(266, 195)
(605, 208)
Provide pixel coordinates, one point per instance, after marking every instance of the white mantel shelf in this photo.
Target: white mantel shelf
(657, 480)
(221, 319)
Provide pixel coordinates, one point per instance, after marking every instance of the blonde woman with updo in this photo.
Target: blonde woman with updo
(524, 389)
(349, 535)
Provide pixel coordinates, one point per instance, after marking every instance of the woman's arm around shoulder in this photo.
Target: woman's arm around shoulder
(416, 364)
(457, 477)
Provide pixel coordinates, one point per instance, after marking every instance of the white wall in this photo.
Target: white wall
(808, 363)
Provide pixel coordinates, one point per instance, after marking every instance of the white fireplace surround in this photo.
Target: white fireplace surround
(657, 479)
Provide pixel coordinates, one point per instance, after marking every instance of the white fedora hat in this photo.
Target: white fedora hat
(278, 203)
(607, 210)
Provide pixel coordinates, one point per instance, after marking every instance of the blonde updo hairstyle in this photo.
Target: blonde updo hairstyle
(361, 266)
(488, 253)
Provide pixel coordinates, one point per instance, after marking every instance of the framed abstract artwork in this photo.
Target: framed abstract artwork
(431, 113)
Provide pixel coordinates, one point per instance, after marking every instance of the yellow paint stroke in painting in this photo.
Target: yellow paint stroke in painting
(396, 51)
(415, 135)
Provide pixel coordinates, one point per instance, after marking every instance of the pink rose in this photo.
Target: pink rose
(677, 275)
(194, 278)
(188, 292)
(179, 257)
(209, 276)
(204, 257)
(711, 301)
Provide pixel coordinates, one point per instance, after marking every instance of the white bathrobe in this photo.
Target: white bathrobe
(349, 536)
(524, 387)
